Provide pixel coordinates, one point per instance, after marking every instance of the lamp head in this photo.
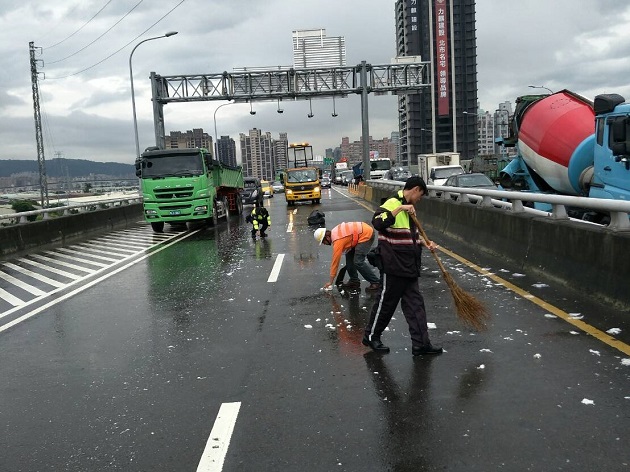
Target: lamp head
(170, 33)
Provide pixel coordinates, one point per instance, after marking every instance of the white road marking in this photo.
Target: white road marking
(61, 263)
(49, 269)
(12, 299)
(216, 448)
(61, 254)
(289, 227)
(35, 275)
(83, 251)
(23, 285)
(273, 277)
(78, 289)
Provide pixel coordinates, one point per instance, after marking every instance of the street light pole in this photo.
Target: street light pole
(216, 142)
(133, 97)
(540, 87)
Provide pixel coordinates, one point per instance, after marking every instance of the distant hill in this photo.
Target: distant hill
(68, 167)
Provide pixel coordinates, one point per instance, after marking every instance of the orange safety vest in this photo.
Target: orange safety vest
(342, 230)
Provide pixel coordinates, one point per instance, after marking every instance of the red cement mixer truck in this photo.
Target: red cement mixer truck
(568, 145)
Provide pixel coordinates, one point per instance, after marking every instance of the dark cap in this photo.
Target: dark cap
(415, 181)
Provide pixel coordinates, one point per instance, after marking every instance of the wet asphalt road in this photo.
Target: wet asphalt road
(130, 373)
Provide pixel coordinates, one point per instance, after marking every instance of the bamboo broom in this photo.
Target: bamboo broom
(469, 310)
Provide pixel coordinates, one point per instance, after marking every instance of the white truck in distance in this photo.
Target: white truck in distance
(436, 168)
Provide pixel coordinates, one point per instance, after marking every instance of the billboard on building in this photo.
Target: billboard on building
(442, 57)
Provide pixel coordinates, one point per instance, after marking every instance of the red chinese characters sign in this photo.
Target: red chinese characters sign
(441, 58)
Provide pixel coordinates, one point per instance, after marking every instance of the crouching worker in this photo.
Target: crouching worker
(261, 220)
(355, 241)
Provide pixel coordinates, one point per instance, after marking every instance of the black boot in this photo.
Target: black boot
(375, 343)
(426, 349)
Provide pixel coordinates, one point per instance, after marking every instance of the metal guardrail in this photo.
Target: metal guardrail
(22, 217)
(514, 201)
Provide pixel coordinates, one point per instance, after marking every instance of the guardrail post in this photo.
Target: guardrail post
(619, 221)
(517, 206)
(559, 212)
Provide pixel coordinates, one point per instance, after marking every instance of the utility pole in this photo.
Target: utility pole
(41, 161)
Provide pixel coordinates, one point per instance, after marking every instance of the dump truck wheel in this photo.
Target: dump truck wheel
(158, 226)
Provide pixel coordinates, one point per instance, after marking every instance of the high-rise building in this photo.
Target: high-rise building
(502, 117)
(226, 150)
(395, 143)
(257, 154)
(353, 151)
(442, 32)
(312, 48)
(281, 149)
(486, 133)
(190, 139)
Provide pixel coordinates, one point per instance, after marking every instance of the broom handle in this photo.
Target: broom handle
(426, 240)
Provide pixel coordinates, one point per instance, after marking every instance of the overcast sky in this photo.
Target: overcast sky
(581, 46)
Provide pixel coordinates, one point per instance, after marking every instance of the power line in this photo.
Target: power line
(107, 31)
(123, 47)
(88, 22)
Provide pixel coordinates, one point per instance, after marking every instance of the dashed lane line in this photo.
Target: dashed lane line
(218, 442)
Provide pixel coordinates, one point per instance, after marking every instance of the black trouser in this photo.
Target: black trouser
(262, 226)
(406, 291)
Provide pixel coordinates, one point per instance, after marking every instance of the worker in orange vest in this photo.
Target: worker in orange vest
(355, 240)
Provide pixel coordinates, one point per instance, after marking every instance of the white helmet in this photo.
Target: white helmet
(319, 234)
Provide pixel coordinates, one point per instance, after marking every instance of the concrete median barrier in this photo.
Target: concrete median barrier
(21, 238)
(588, 258)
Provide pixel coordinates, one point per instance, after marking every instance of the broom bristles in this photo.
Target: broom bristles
(470, 311)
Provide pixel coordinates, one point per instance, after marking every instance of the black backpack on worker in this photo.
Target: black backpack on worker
(316, 218)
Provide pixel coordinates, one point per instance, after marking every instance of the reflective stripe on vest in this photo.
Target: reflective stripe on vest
(343, 230)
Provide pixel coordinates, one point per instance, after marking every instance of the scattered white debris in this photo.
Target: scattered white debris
(308, 326)
(318, 319)
(625, 361)
(431, 326)
(516, 274)
(540, 285)
(537, 356)
(508, 338)
(575, 333)
(453, 332)
(586, 401)
(614, 331)
(481, 366)
(576, 316)
(549, 315)
(593, 351)
(484, 350)
(326, 289)
(503, 270)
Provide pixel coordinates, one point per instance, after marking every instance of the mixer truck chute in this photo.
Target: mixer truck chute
(568, 145)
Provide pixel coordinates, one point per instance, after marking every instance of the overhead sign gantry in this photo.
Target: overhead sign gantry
(249, 85)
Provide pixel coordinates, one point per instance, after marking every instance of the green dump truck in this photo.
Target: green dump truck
(186, 185)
